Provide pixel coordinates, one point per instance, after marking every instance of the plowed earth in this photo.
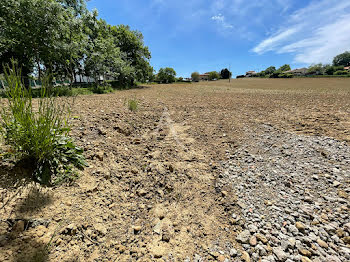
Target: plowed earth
(153, 190)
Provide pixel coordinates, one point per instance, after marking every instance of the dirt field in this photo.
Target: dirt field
(154, 189)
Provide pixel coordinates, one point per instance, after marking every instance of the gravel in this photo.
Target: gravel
(293, 192)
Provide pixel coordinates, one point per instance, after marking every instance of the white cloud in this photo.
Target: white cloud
(271, 42)
(314, 34)
(220, 19)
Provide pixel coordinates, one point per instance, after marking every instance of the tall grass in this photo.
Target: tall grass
(37, 130)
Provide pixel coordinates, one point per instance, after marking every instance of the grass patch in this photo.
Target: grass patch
(37, 131)
(133, 105)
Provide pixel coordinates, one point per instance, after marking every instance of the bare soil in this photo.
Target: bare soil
(152, 190)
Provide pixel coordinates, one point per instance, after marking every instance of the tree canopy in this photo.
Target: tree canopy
(166, 75)
(214, 75)
(225, 73)
(342, 59)
(63, 38)
(195, 76)
(284, 68)
(270, 70)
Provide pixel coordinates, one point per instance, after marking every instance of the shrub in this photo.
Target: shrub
(37, 131)
(102, 89)
(284, 75)
(133, 105)
(341, 72)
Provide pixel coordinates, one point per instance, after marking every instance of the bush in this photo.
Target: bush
(341, 72)
(101, 89)
(38, 134)
(284, 75)
(133, 105)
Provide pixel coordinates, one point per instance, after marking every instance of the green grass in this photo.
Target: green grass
(37, 131)
(133, 105)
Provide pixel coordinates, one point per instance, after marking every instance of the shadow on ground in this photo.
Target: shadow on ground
(21, 199)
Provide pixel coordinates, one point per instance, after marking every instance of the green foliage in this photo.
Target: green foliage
(195, 76)
(284, 75)
(214, 75)
(284, 68)
(341, 72)
(62, 38)
(133, 105)
(225, 74)
(270, 70)
(328, 69)
(342, 59)
(166, 75)
(38, 132)
(101, 89)
(315, 69)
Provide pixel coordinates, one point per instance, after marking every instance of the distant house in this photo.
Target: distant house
(347, 68)
(297, 72)
(204, 77)
(250, 73)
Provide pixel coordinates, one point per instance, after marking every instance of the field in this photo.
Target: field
(196, 172)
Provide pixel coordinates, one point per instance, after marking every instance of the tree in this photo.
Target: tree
(316, 69)
(342, 59)
(62, 38)
(132, 46)
(32, 32)
(214, 75)
(270, 70)
(166, 75)
(195, 76)
(225, 73)
(284, 68)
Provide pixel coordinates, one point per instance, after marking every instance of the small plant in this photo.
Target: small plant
(133, 105)
(37, 131)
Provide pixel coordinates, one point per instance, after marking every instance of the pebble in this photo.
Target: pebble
(245, 256)
(279, 253)
(243, 237)
(253, 241)
(293, 202)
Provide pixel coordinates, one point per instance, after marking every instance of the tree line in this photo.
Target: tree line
(63, 39)
(337, 68)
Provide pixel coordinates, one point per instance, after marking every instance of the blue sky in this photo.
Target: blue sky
(203, 35)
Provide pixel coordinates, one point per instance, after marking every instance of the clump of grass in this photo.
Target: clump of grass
(38, 131)
(133, 105)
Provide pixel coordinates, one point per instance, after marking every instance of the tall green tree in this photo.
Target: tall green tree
(195, 76)
(342, 59)
(270, 70)
(166, 75)
(214, 75)
(135, 52)
(284, 68)
(316, 69)
(225, 73)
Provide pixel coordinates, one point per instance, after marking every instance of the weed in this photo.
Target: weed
(37, 131)
(133, 105)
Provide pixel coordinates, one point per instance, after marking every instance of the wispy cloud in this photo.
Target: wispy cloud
(315, 33)
(220, 19)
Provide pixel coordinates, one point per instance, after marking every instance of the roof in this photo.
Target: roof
(346, 67)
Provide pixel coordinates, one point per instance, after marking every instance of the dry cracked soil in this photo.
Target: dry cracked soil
(251, 170)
